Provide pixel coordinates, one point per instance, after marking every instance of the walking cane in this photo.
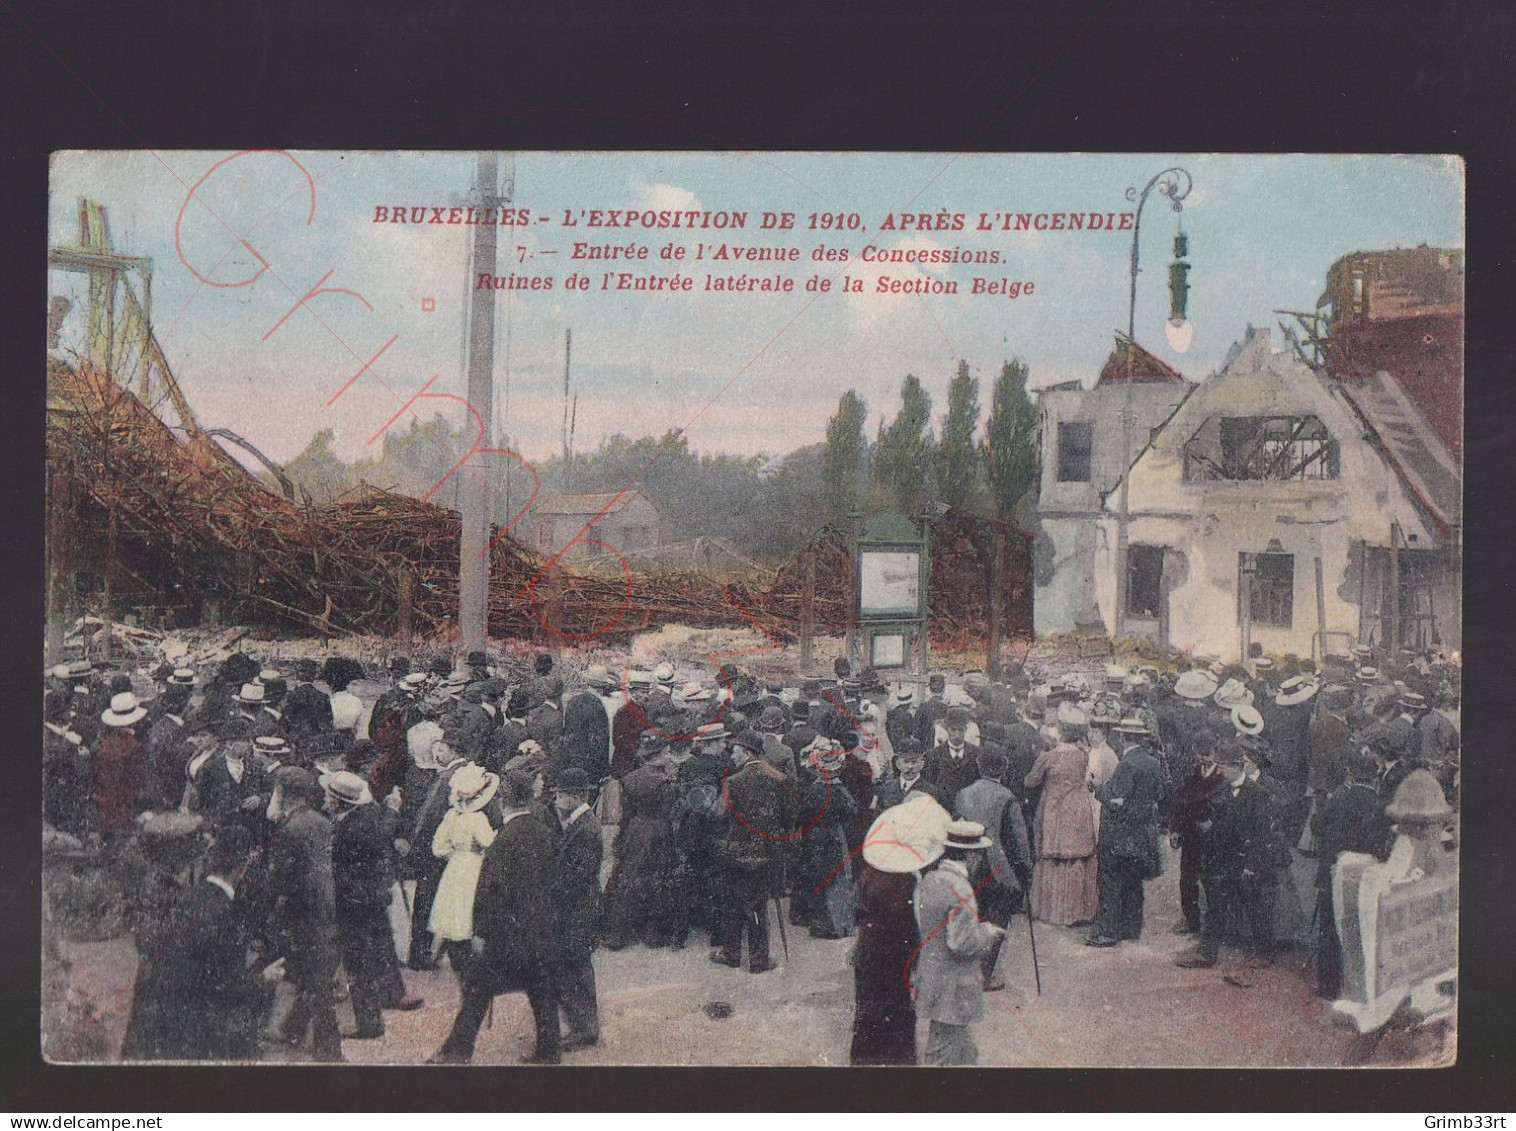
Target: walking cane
(1032, 934)
(784, 938)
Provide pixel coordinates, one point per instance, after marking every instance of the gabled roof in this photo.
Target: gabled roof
(1129, 358)
(597, 502)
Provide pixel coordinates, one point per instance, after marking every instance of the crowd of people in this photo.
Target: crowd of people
(263, 825)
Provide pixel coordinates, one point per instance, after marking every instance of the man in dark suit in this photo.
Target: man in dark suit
(363, 868)
(504, 742)
(934, 708)
(575, 888)
(587, 727)
(299, 883)
(513, 915)
(1194, 805)
(951, 765)
(751, 857)
(1129, 818)
(1241, 852)
(891, 789)
(1351, 820)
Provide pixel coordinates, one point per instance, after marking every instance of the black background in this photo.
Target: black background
(1078, 75)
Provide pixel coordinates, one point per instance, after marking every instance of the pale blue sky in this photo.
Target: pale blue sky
(1263, 232)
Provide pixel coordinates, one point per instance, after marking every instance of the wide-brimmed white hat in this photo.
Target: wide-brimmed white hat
(124, 711)
(182, 677)
(1071, 716)
(907, 837)
(1247, 720)
(693, 692)
(472, 787)
(1231, 694)
(1195, 684)
(664, 674)
(1296, 689)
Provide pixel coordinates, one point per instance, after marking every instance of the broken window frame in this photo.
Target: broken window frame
(1269, 581)
(1069, 454)
(1263, 449)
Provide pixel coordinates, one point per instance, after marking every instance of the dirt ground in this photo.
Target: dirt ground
(1127, 1006)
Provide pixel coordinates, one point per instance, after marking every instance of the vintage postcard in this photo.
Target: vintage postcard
(700, 609)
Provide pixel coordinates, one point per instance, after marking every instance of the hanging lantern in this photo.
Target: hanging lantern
(1178, 331)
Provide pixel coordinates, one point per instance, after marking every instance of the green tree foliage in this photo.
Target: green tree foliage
(903, 467)
(956, 460)
(842, 469)
(318, 469)
(1009, 447)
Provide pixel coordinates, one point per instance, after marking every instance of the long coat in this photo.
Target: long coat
(946, 977)
(884, 1009)
(299, 882)
(639, 895)
(117, 764)
(951, 774)
(762, 826)
(462, 840)
(513, 908)
(1065, 825)
(575, 887)
(196, 998)
(587, 735)
(1132, 800)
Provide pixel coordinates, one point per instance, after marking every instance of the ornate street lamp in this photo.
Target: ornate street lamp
(1174, 183)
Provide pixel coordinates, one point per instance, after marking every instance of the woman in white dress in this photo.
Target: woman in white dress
(461, 840)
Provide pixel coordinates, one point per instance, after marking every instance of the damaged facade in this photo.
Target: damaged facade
(1263, 513)
(1081, 463)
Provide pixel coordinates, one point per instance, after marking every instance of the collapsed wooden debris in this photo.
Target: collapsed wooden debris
(180, 526)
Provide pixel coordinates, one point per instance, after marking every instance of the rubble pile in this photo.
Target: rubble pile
(192, 526)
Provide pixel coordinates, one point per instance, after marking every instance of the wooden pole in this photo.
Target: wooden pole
(997, 571)
(407, 601)
(1321, 608)
(473, 564)
(1392, 644)
(807, 613)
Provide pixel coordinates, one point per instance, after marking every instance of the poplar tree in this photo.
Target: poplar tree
(842, 464)
(957, 461)
(1009, 447)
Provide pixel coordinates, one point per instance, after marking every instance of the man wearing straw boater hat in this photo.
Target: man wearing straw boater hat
(1129, 854)
(363, 870)
(947, 975)
(117, 767)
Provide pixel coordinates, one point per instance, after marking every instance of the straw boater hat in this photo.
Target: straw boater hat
(903, 696)
(413, 681)
(1263, 664)
(250, 693)
(1296, 689)
(1362, 651)
(1132, 725)
(1414, 701)
(347, 787)
(664, 674)
(124, 711)
(182, 677)
(1195, 684)
(1368, 674)
(271, 746)
(1232, 694)
(1115, 673)
(710, 732)
(907, 837)
(472, 787)
(966, 835)
(1247, 720)
(599, 676)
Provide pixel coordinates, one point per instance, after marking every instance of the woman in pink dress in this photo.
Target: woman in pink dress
(1065, 888)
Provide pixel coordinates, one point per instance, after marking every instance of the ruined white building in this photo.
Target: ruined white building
(1081, 464)
(1264, 510)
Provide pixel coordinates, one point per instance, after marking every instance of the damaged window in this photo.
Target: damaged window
(1074, 441)
(1262, 447)
(1144, 580)
(1270, 588)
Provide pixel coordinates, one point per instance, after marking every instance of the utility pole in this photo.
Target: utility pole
(473, 560)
